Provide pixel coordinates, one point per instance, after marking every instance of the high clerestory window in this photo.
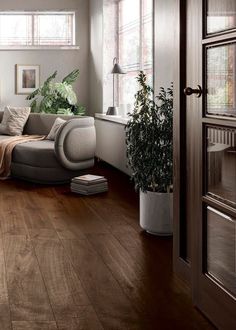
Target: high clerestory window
(37, 29)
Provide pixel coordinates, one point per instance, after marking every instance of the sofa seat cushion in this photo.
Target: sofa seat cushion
(36, 153)
(4, 137)
(43, 175)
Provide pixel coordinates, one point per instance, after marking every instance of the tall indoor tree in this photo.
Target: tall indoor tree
(150, 155)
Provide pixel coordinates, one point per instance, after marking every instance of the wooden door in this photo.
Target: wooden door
(209, 156)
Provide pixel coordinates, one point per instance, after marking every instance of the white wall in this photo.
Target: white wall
(49, 60)
(96, 57)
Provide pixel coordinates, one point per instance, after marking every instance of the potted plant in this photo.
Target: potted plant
(149, 152)
(56, 97)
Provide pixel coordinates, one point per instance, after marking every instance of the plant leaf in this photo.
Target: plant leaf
(66, 92)
(149, 138)
(58, 96)
(71, 77)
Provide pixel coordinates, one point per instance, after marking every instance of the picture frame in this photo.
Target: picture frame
(27, 78)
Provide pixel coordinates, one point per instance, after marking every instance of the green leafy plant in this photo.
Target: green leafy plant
(149, 138)
(57, 97)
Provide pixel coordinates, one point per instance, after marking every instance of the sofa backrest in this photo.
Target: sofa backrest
(41, 123)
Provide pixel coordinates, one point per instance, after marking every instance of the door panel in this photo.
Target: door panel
(211, 157)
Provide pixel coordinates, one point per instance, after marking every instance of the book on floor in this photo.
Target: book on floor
(89, 184)
(86, 193)
(89, 179)
(89, 187)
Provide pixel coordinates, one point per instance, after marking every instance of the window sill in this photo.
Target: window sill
(39, 47)
(114, 119)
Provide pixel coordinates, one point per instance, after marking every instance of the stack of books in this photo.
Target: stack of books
(89, 184)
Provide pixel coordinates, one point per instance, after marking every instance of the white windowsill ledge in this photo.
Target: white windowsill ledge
(114, 119)
(39, 47)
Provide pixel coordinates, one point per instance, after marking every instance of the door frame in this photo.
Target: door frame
(180, 265)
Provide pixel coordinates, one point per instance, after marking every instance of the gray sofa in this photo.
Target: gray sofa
(54, 162)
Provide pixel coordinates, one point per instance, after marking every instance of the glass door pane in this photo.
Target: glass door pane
(221, 15)
(221, 164)
(220, 80)
(221, 252)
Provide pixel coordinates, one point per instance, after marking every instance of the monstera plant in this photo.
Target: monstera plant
(57, 97)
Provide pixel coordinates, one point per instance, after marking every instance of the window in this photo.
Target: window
(135, 43)
(37, 28)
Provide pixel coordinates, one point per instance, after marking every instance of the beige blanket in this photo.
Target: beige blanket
(6, 148)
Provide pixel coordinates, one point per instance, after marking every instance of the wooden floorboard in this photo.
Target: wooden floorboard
(88, 321)
(27, 325)
(64, 225)
(5, 318)
(3, 280)
(66, 296)
(114, 215)
(38, 224)
(12, 222)
(70, 262)
(28, 298)
(75, 206)
(110, 302)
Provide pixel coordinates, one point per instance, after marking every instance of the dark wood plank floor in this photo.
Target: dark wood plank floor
(70, 262)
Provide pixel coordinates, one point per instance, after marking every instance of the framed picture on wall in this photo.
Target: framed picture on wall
(27, 78)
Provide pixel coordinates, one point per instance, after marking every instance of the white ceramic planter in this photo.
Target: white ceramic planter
(156, 213)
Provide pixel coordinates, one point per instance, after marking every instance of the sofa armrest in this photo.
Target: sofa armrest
(75, 143)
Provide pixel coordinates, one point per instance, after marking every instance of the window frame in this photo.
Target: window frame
(141, 40)
(73, 46)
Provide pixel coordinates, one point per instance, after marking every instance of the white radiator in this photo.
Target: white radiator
(222, 135)
(111, 146)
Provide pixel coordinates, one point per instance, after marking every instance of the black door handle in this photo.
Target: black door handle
(189, 91)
